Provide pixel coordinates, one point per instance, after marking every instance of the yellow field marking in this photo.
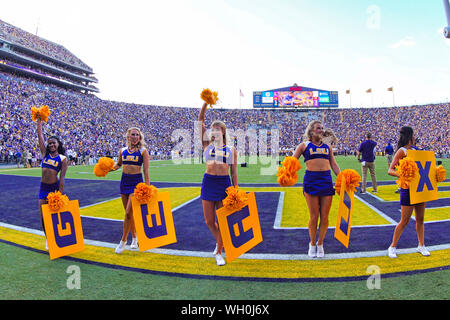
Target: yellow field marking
(113, 209)
(296, 213)
(290, 269)
(387, 193)
(436, 214)
(295, 210)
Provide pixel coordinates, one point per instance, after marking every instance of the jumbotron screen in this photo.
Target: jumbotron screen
(295, 97)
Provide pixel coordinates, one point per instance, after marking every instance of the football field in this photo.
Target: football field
(259, 170)
(276, 269)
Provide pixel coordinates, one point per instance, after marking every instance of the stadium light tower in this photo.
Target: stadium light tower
(447, 13)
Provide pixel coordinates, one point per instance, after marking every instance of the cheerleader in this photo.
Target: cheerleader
(317, 182)
(133, 157)
(405, 143)
(219, 159)
(54, 161)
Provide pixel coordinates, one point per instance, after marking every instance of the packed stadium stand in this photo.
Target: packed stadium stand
(35, 71)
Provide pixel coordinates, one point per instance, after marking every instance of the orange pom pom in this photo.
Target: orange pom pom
(144, 193)
(57, 201)
(44, 113)
(98, 171)
(210, 97)
(291, 164)
(407, 169)
(352, 180)
(103, 166)
(40, 113)
(285, 179)
(440, 173)
(34, 113)
(287, 173)
(106, 163)
(236, 199)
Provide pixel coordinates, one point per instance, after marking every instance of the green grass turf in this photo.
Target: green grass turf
(25, 274)
(256, 172)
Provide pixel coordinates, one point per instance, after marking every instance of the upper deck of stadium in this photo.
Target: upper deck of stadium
(28, 55)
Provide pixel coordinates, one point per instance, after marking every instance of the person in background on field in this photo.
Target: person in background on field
(366, 156)
(389, 151)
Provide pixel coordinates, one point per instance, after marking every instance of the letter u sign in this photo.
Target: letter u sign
(63, 230)
(154, 222)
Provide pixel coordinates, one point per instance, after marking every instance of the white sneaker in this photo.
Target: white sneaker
(312, 252)
(134, 244)
(392, 252)
(320, 251)
(219, 259)
(424, 251)
(120, 247)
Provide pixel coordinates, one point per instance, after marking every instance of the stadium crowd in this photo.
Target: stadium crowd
(91, 127)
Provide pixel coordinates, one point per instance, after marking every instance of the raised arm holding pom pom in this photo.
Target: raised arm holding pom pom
(221, 161)
(210, 97)
(54, 162)
(41, 113)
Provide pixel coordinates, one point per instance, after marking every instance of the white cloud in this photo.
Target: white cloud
(405, 42)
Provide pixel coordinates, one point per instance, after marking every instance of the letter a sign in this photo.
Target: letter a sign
(423, 187)
(240, 230)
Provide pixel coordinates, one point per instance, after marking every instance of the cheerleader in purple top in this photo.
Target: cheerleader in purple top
(220, 159)
(133, 157)
(406, 142)
(317, 183)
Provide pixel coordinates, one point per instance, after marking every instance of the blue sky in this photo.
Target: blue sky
(166, 52)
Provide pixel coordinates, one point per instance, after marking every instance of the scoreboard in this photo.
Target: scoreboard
(295, 97)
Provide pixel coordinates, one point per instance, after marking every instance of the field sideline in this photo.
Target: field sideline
(259, 172)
